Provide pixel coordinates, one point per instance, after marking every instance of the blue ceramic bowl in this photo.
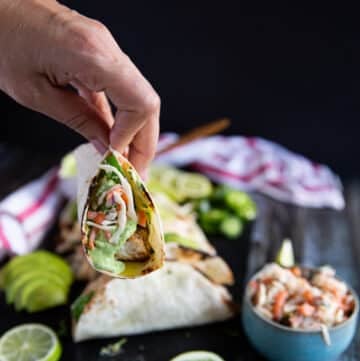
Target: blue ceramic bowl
(280, 343)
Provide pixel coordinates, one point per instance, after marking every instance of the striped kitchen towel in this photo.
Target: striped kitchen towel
(28, 213)
(256, 164)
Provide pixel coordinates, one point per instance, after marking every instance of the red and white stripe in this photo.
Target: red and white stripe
(255, 164)
(27, 214)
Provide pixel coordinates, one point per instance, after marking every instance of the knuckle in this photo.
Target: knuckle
(151, 103)
(98, 26)
(88, 40)
(81, 38)
(84, 34)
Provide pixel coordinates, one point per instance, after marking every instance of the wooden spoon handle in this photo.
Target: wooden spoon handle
(200, 132)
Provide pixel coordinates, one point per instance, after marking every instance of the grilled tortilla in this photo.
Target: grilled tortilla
(112, 307)
(121, 230)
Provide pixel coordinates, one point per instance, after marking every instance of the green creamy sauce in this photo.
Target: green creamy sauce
(103, 255)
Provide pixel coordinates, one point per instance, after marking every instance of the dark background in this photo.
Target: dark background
(280, 73)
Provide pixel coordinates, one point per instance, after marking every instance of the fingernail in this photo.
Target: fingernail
(99, 145)
(144, 175)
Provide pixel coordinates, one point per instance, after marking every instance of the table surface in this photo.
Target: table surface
(320, 237)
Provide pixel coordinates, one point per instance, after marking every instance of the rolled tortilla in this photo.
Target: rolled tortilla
(176, 296)
(121, 230)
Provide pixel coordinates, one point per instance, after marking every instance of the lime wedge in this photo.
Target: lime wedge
(285, 256)
(68, 166)
(30, 342)
(197, 356)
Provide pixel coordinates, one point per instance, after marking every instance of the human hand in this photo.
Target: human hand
(45, 47)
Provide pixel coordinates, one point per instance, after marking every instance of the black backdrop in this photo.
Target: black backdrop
(283, 73)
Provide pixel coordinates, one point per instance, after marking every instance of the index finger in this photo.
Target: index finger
(137, 111)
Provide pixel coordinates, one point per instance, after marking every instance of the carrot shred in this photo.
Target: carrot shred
(125, 198)
(142, 218)
(306, 309)
(296, 271)
(91, 244)
(99, 218)
(308, 296)
(279, 302)
(267, 281)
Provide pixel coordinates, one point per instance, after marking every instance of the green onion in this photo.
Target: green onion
(79, 304)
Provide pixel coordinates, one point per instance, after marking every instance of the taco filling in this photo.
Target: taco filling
(115, 225)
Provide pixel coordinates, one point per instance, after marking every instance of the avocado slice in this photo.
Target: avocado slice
(45, 296)
(14, 289)
(41, 260)
(40, 294)
(182, 241)
(25, 268)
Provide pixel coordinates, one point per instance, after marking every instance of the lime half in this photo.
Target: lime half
(285, 256)
(68, 166)
(30, 342)
(197, 356)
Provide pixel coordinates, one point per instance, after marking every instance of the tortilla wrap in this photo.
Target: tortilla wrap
(121, 230)
(181, 220)
(176, 296)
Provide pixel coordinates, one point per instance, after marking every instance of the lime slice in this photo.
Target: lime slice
(177, 184)
(30, 342)
(285, 256)
(192, 185)
(197, 356)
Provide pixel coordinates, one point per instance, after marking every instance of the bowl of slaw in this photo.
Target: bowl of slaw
(299, 313)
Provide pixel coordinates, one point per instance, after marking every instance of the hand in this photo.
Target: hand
(47, 50)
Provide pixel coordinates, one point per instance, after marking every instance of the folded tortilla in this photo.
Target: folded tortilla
(180, 221)
(121, 230)
(178, 295)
